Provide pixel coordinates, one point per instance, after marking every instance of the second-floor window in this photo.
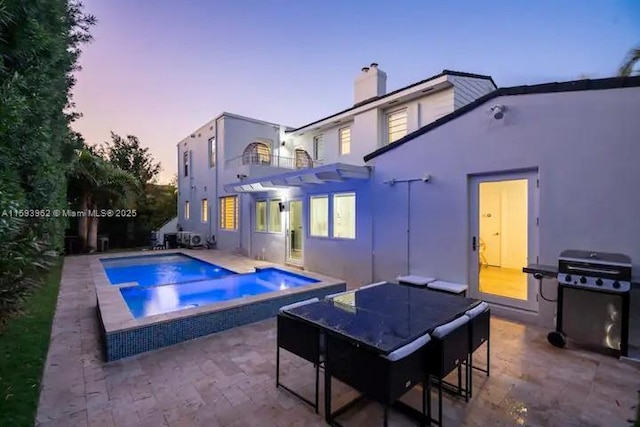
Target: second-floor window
(256, 153)
(318, 148)
(396, 125)
(345, 140)
(303, 159)
(185, 161)
(186, 210)
(212, 152)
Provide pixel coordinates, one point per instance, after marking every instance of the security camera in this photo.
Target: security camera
(241, 176)
(426, 178)
(498, 111)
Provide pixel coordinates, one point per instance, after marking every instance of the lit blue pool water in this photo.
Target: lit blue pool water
(146, 301)
(151, 270)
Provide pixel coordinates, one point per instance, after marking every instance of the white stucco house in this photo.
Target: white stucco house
(249, 182)
(448, 177)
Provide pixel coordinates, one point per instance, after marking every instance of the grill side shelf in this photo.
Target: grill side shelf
(549, 271)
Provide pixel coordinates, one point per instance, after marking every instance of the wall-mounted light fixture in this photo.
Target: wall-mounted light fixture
(498, 111)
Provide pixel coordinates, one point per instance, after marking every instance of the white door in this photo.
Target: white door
(501, 244)
(490, 223)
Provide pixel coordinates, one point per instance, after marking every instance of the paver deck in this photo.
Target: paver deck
(228, 379)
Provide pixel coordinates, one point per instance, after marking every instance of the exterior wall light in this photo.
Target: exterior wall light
(498, 111)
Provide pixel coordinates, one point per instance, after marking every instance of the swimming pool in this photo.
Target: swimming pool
(148, 301)
(152, 270)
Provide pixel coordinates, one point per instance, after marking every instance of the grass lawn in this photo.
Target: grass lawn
(23, 350)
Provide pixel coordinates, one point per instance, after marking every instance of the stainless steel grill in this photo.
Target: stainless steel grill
(593, 301)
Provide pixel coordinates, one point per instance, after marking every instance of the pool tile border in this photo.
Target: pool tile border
(126, 336)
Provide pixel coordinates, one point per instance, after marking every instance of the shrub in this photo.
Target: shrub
(22, 254)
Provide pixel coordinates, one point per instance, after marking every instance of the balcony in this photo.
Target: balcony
(255, 164)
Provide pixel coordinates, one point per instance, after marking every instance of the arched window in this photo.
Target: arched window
(256, 153)
(303, 159)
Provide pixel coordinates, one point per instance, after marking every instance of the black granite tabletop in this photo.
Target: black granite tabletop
(384, 317)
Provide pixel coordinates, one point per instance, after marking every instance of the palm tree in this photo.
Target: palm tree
(97, 184)
(626, 69)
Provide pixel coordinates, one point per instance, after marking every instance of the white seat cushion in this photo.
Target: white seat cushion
(477, 310)
(444, 330)
(408, 349)
(331, 296)
(372, 285)
(454, 288)
(416, 280)
(298, 304)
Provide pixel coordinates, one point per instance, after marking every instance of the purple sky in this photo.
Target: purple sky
(159, 69)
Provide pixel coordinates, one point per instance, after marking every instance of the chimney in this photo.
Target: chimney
(371, 83)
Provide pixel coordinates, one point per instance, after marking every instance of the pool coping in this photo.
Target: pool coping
(116, 316)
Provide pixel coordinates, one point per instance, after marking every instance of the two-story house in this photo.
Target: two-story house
(302, 195)
(448, 178)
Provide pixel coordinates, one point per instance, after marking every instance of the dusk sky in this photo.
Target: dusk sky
(158, 69)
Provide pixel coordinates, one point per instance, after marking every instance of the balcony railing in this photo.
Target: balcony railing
(273, 161)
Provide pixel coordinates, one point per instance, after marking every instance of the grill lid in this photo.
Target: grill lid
(595, 257)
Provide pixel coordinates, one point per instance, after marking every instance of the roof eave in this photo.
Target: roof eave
(569, 86)
(357, 108)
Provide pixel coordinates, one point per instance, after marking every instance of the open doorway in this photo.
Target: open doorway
(503, 238)
(294, 233)
(503, 223)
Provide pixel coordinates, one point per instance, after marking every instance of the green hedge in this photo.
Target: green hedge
(39, 49)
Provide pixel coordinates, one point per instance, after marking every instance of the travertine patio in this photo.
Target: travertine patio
(228, 379)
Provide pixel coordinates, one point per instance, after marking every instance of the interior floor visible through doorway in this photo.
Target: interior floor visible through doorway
(505, 282)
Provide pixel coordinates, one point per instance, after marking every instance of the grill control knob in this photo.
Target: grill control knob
(616, 285)
(583, 280)
(599, 282)
(567, 278)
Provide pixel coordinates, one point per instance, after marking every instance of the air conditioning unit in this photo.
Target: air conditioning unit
(183, 238)
(186, 238)
(179, 237)
(195, 240)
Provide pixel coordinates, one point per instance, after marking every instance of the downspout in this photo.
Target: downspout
(373, 232)
(192, 188)
(408, 227)
(250, 226)
(239, 224)
(215, 142)
(215, 191)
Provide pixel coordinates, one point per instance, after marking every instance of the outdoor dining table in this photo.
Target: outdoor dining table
(380, 319)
